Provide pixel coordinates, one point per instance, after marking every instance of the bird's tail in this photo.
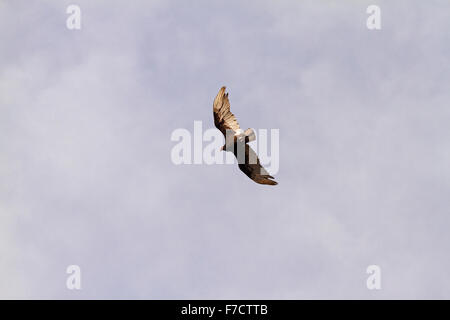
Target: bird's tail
(250, 135)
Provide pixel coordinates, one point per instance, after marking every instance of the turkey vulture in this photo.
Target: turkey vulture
(236, 140)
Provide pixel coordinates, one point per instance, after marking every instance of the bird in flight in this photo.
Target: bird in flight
(236, 140)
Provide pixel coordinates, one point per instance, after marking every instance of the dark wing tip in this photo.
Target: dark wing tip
(265, 180)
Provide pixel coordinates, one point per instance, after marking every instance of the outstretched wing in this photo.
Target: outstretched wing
(253, 169)
(223, 118)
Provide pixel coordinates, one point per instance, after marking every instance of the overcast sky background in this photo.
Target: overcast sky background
(86, 176)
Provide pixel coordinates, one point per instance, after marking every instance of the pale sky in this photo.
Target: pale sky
(86, 176)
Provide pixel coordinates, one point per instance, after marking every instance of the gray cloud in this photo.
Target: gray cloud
(85, 170)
